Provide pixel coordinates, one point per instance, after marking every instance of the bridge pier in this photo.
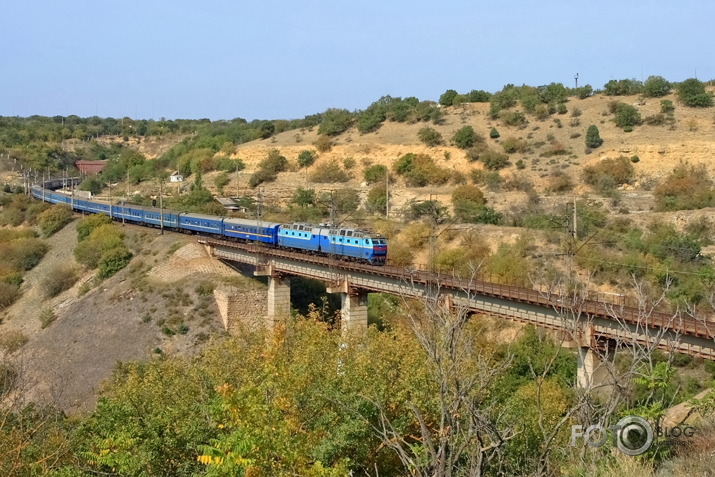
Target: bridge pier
(353, 313)
(278, 300)
(592, 373)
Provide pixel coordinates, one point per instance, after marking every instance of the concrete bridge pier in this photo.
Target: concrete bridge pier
(353, 313)
(593, 373)
(278, 300)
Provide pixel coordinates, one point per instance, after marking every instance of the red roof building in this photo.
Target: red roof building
(91, 168)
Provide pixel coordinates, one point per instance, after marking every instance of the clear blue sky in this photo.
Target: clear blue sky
(285, 59)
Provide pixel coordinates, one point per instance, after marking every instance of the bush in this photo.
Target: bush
(58, 279)
(420, 170)
(8, 294)
(329, 172)
(469, 203)
(269, 168)
(113, 260)
(447, 98)
(86, 225)
(23, 254)
(655, 120)
(54, 218)
(306, 158)
(513, 118)
(494, 133)
(593, 138)
(627, 116)
(609, 173)
(323, 143)
(625, 87)
(512, 145)
(92, 184)
(47, 316)
(692, 93)
(430, 137)
(583, 92)
(465, 137)
(375, 173)
(221, 181)
(493, 160)
(687, 187)
(666, 106)
(377, 199)
(335, 121)
(11, 341)
(559, 182)
(655, 87)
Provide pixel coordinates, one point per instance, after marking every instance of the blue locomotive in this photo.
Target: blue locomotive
(347, 243)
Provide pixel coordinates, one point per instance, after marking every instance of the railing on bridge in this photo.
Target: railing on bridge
(606, 305)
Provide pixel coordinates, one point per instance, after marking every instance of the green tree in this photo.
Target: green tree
(655, 87)
(304, 197)
(627, 116)
(447, 98)
(494, 133)
(376, 201)
(465, 137)
(92, 184)
(692, 93)
(335, 121)
(375, 173)
(593, 138)
(54, 219)
(221, 181)
(306, 158)
(429, 136)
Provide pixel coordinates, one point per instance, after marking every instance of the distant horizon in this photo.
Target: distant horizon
(223, 60)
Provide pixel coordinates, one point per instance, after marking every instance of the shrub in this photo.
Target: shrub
(221, 181)
(430, 137)
(593, 138)
(692, 93)
(687, 187)
(655, 120)
(513, 118)
(492, 179)
(87, 224)
(113, 260)
(23, 254)
(655, 87)
(13, 340)
(58, 279)
(420, 170)
(306, 158)
(666, 106)
(346, 200)
(375, 173)
(559, 182)
(329, 172)
(494, 133)
(47, 316)
(54, 218)
(494, 160)
(335, 121)
(92, 184)
(447, 98)
(583, 92)
(469, 203)
(323, 143)
(8, 294)
(627, 116)
(377, 199)
(624, 87)
(269, 168)
(609, 173)
(512, 145)
(465, 137)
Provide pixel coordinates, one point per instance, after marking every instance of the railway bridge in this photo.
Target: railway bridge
(591, 323)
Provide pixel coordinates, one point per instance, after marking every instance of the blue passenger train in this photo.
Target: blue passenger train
(345, 243)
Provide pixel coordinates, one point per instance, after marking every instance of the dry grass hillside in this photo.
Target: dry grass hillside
(690, 138)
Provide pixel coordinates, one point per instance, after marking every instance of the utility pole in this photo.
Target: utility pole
(387, 195)
(575, 235)
(161, 206)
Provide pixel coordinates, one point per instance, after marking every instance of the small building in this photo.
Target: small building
(176, 177)
(90, 168)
